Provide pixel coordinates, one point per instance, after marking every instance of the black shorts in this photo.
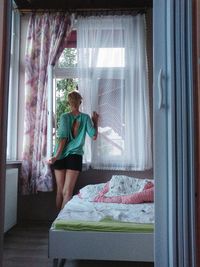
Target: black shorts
(71, 162)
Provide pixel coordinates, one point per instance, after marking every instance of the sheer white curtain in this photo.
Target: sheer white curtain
(113, 81)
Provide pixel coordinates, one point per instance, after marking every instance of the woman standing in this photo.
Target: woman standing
(67, 157)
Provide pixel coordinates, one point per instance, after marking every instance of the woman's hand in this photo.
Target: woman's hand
(95, 117)
(51, 160)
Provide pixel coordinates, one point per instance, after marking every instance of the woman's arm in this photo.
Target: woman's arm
(61, 145)
(95, 117)
(62, 138)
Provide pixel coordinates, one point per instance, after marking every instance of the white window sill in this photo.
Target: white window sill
(10, 164)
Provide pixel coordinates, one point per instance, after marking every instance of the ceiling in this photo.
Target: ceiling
(82, 4)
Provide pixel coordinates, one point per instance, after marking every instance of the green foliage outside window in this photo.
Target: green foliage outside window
(64, 86)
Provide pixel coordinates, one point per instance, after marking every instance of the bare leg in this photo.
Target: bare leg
(70, 181)
(60, 181)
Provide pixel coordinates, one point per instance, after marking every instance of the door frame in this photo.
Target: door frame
(5, 26)
(196, 61)
(166, 200)
(174, 151)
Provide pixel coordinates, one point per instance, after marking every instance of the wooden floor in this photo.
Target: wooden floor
(27, 246)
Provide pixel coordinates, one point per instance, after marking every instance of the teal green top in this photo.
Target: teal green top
(74, 145)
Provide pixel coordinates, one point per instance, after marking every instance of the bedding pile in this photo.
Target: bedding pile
(122, 199)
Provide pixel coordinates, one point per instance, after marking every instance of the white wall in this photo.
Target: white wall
(11, 197)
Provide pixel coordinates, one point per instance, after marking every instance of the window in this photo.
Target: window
(65, 80)
(111, 129)
(113, 81)
(110, 68)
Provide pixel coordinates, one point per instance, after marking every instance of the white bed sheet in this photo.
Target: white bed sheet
(84, 210)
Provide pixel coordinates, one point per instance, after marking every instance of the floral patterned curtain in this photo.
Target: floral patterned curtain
(46, 36)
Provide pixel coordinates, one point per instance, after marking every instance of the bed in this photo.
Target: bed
(96, 224)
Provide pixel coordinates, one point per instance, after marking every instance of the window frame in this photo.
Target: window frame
(12, 125)
(54, 73)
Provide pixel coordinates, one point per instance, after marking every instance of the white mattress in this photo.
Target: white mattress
(84, 210)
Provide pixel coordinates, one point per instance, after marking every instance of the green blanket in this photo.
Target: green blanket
(106, 225)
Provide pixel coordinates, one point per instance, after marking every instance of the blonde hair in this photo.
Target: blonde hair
(74, 98)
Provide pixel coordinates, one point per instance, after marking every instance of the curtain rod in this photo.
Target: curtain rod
(84, 10)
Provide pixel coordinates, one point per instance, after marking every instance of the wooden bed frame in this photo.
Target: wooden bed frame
(89, 245)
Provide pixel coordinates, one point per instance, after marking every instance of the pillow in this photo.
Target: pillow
(90, 191)
(146, 195)
(121, 185)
